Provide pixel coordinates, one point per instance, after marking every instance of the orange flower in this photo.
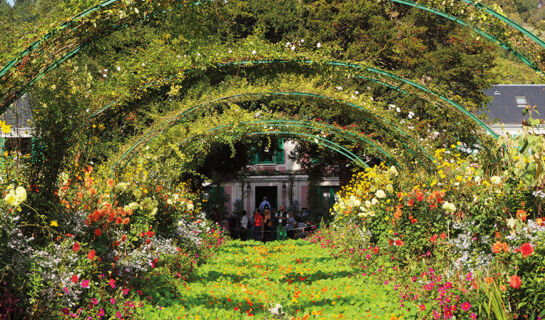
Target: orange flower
(126, 220)
(398, 213)
(522, 215)
(497, 247)
(488, 280)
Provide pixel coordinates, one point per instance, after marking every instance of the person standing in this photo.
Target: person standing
(258, 226)
(281, 218)
(290, 225)
(245, 225)
(264, 204)
(267, 226)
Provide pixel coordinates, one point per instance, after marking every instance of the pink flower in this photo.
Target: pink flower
(112, 300)
(515, 282)
(85, 283)
(112, 283)
(94, 301)
(465, 306)
(473, 316)
(125, 291)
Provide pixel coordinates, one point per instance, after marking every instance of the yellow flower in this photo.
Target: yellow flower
(5, 127)
(54, 223)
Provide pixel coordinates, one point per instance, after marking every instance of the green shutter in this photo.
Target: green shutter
(279, 156)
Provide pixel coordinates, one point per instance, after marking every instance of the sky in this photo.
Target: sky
(10, 2)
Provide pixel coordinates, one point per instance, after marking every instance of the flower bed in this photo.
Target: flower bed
(460, 243)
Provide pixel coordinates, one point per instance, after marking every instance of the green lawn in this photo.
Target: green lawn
(249, 278)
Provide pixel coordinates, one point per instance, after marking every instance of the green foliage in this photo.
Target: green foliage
(289, 279)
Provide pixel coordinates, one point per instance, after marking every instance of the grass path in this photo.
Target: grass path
(248, 279)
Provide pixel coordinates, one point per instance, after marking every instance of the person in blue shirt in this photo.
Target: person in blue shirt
(264, 204)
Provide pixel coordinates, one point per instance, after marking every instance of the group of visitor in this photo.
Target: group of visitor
(268, 224)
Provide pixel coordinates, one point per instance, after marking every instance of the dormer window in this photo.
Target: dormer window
(521, 102)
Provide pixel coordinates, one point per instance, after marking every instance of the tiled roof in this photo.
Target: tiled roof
(509, 101)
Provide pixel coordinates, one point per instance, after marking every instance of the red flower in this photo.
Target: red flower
(91, 255)
(75, 278)
(515, 282)
(410, 202)
(433, 238)
(390, 242)
(443, 235)
(375, 249)
(98, 233)
(76, 246)
(399, 243)
(419, 196)
(526, 250)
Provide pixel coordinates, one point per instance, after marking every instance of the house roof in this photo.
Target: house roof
(509, 101)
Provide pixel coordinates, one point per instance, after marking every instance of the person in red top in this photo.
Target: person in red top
(258, 226)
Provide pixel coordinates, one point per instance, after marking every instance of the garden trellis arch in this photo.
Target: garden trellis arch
(11, 94)
(356, 138)
(152, 134)
(80, 20)
(372, 70)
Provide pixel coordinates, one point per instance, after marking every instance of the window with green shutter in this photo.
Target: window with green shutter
(273, 156)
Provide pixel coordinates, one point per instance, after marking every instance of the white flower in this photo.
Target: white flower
(229, 51)
(318, 45)
(411, 115)
(449, 207)
(293, 47)
(339, 88)
(511, 223)
(302, 40)
(380, 194)
(190, 207)
(368, 204)
(254, 52)
(288, 44)
(398, 110)
(390, 188)
(118, 68)
(393, 171)
(374, 201)
(495, 180)
(477, 179)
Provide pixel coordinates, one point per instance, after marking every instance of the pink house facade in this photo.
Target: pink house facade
(277, 180)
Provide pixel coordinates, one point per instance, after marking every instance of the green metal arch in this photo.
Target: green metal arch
(101, 6)
(151, 135)
(303, 136)
(487, 36)
(373, 70)
(303, 124)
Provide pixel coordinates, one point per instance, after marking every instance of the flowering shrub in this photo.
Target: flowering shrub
(105, 252)
(464, 223)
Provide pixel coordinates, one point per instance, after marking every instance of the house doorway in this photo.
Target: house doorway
(270, 192)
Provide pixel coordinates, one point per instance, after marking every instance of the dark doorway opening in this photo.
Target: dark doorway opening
(270, 192)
